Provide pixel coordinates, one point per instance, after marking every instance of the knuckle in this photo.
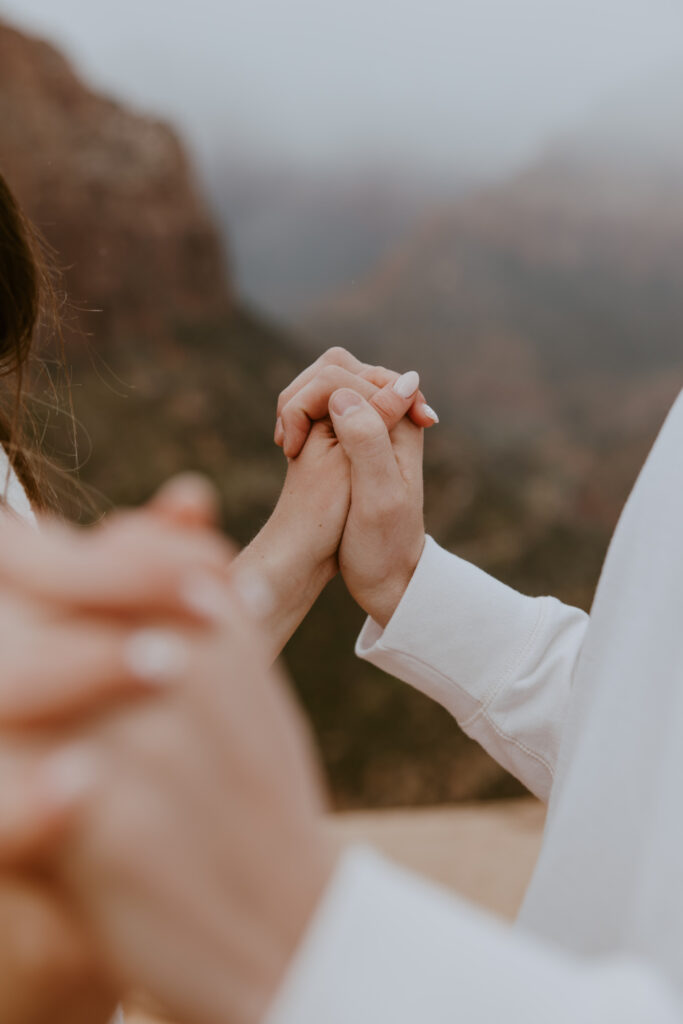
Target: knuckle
(130, 531)
(391, 505)
(336, 354)
(282, 400)
(330, 375)
(384, 510)
(321, 429)
(386, 404)
(293, 417)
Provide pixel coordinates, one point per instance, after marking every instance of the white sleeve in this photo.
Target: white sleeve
(386, 947)
(13, 497)
(500, 662)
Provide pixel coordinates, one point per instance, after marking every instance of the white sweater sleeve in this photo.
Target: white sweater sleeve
(386, 947)
(13, 497)
(500, 662)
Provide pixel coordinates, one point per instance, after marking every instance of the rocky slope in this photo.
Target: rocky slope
(160, 352)
(170, 372)
(114, 193)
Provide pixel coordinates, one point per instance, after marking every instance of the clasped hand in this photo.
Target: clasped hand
(162, 798)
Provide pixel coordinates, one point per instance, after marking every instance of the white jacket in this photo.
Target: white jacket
(588, 713)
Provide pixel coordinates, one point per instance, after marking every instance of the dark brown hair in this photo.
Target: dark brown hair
(25, 292)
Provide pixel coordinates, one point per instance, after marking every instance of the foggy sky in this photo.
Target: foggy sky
(429, 83)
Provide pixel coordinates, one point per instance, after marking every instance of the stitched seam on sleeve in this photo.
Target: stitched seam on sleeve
(495, 689)
(521, 746)
(513, 667)
(483, 711)
(428, 669)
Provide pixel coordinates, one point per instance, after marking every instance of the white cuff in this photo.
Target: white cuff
(501, 663)
(457, 634)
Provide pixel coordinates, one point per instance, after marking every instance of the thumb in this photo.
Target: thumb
(363, 435)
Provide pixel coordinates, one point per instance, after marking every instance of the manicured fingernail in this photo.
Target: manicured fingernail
(429, 412)
(344, 401)
(254, 592)
(67, 776)
(279, 432)
(204, 597)
(407, 385)
(155, 656)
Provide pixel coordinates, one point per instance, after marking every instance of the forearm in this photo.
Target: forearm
(293, 577)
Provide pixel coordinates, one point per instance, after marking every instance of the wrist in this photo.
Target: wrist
(287, 560)
(380, 600)
(294, 576)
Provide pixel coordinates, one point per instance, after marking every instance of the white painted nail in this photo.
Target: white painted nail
(204, 596)
(68, 776)
(428, 411)
(155, 656)
(254, 591)
(407, 385)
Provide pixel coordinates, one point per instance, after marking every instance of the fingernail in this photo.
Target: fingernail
(279, 432)
(255, 593)
(344, 401)
(67, 776)
(408, 384)
(204, 597)
(155, 656)
(429, 412)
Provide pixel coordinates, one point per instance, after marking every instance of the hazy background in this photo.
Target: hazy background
(289, 105)
(479, 84)
(490, 192)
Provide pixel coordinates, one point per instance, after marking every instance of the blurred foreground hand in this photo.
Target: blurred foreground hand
(168, 787)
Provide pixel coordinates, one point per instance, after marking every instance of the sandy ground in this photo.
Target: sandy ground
(485, 852)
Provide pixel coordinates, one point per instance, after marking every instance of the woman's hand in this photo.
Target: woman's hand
(306, 399)
(296, 551)
(48, 970)
(384, 534)
(186, 807)
(193, 843)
